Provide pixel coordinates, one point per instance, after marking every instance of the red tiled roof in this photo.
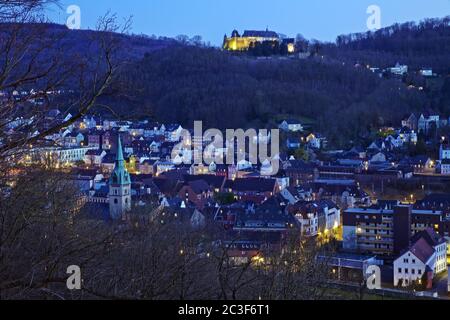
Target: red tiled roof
(422, 250)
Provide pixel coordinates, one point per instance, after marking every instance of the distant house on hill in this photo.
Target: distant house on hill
(399, 69)
(411, 122)
(315, 141)
(427, 72)
(291, 125)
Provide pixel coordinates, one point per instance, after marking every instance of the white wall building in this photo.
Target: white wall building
(318, 217)
(411, 267)
(427, 256)
(58, 155)
(444, 156)
(399, 69)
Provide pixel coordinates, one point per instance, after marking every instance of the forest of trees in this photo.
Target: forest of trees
(419, 45)
(226, 91)
(182, 84)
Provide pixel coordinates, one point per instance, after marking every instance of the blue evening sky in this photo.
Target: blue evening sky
(315, 19)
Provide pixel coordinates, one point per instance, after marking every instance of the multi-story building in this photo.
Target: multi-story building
(427, 120)
(386, 232)
(316, 217)
(444, 157)
(300, 172)
(57, 156)
(95, 139)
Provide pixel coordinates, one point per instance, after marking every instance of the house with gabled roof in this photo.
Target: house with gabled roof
(425, 258)
(316, 217)
(294, 195)
(376, 146)
(427, 120)
(411, 122)
(94, 157)
(196, 191)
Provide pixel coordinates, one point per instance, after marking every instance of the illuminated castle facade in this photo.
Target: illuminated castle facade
(251, 37)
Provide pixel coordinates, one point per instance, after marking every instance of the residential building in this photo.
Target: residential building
(291, 125)
(386, 232)
(411, 122)
(425, 258)
(399, 69)
(197, 192)
(300, 172)
(428, 120)
(316, 217)
(94, 157)
(252, 189)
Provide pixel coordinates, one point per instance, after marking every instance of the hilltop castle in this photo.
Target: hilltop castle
(251, 37)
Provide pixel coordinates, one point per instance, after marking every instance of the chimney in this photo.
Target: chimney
(402, 228)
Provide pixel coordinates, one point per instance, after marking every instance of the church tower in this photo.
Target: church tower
(119, 187)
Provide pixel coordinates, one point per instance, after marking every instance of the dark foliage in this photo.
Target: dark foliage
(184, 84)
(425, 44)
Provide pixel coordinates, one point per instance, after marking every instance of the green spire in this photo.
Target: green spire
(119, 157)
(120, 175)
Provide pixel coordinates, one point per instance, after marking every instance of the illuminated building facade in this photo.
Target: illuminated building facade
(251, 37)
(386, 232)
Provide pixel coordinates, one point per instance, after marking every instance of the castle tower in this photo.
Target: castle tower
(119, 187)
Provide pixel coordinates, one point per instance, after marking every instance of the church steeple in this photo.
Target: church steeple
(119, 150)
(120, 174)
(119, 187)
